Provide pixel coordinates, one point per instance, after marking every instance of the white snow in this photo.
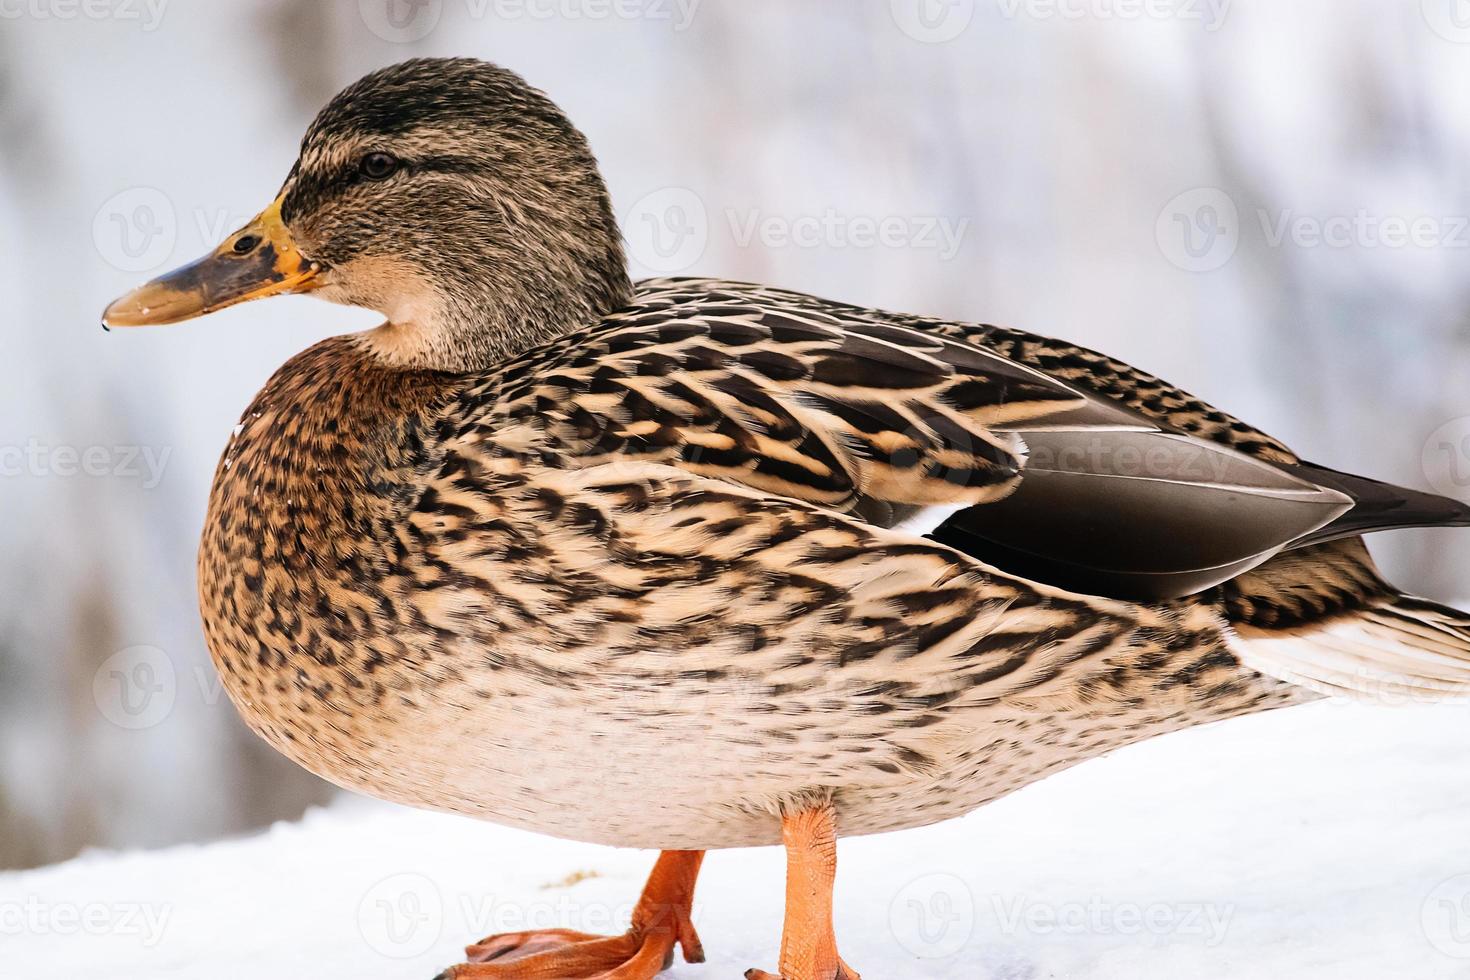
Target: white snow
(1325, 841)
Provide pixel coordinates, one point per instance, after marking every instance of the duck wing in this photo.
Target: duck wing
(1045, 460)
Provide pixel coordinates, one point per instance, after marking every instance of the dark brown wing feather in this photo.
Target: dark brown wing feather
(1378, 506)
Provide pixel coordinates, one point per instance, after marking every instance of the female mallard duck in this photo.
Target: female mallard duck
(693, 564)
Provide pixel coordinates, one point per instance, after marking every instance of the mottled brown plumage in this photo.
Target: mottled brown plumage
(667, 565)
(529, 600)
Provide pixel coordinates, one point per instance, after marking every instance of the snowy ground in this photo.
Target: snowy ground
(1328, 841)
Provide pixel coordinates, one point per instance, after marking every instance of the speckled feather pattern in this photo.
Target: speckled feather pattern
(623, 589)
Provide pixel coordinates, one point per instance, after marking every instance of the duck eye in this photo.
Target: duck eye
(376, 166)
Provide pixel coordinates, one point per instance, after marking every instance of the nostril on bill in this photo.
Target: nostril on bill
(245, 244)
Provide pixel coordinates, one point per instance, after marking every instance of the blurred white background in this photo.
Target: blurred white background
(1265, 202)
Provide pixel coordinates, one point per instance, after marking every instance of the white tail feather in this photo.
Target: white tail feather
(1404, 651)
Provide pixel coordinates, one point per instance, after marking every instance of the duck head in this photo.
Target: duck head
(446, 194)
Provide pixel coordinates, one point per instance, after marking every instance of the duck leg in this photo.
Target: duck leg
(661, 920)
(808, 944)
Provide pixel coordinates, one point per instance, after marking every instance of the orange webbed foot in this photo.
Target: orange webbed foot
(661, 921)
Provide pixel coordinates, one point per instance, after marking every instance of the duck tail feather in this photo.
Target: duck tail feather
(1322, 617)
(1377, 506)
(1398, 649)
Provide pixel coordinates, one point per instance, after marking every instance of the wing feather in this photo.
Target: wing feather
(798, 403)
(1035, 456)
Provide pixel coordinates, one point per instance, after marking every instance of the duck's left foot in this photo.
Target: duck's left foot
(808, 945)
(661, 921)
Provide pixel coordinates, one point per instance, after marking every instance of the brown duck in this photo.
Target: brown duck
(690, 564)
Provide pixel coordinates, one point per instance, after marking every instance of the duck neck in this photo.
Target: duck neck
(466, 330)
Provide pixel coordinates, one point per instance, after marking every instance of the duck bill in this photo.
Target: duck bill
(257, 261)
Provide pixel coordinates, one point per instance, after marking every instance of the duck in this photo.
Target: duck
(690, 564)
